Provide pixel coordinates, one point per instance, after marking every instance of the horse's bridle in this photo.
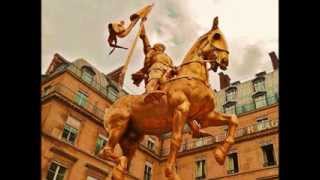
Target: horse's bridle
(219, 49)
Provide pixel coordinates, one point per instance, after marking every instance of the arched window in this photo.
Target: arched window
(87, 74)
(112, 93)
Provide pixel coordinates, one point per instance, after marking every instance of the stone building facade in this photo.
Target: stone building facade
(76, 94)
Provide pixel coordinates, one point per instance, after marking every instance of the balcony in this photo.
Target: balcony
(72, 96)
(270, 100)
(241, 132)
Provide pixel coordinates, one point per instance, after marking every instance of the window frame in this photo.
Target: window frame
(266, 162)
(87, 74)
(56, 172)
(46, 90)
(255, 97)
(67, 139)
(203, 169)
(151, 141)
(228, 106)
(147, 174)
(231, 92)
(105, 142)
(82, 99)
(112, 93)
(235, 163)
(258, 83)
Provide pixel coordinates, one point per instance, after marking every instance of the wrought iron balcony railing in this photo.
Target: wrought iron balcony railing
(206, 141)
(73, 97)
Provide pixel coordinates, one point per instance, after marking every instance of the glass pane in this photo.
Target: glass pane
(81, 99)
(112, 93)
(50, 175)
(60, 177)
(65, 133)
(62, 170)
(53, 166)
(72, 137)
(230, 163)
(259, 85)
(260, 101)
(87, 77)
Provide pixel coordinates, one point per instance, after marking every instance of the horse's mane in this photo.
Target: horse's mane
(196, 46)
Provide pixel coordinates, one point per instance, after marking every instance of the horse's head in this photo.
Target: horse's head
(216, 48)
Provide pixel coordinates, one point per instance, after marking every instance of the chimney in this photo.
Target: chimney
(224, 80)
(274, 59)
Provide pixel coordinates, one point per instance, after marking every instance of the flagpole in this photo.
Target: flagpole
(125, 66)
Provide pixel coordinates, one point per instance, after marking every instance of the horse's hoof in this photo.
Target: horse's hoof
(219, 155)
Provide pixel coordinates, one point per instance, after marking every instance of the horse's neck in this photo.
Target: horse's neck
(194, 69)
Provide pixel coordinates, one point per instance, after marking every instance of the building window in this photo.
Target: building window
(47, 90)
(231, 109)
(150, 144)
(91, 178)
(69, 133)
(147, 171)
(231, 94)
(200, 169)
(260, 101)
(101, 142)
(259, 85)
(112, 93)
(268, 155)
(232, 163)
(262, 123)
(56, 172)
(87, 74)
(81, 98)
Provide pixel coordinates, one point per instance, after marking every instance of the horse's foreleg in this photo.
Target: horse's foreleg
(220, 119)
(178, 121)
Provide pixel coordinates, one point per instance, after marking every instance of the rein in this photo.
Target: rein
(189, 76)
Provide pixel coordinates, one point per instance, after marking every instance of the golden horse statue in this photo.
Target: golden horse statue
(188, 97)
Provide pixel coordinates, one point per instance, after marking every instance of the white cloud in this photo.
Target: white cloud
(77, 28)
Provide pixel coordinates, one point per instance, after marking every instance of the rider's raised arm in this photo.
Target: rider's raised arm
(145, 40)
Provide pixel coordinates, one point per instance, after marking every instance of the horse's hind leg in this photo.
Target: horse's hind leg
(129, 145)
(116, 129)
(219, 119)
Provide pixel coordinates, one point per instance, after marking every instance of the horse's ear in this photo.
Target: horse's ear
(215, 23)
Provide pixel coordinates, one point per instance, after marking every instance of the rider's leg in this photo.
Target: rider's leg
(152, 85)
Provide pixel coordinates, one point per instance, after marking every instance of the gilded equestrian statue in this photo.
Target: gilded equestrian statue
(188, 97)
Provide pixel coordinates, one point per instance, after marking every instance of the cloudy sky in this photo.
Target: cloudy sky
(77, 29)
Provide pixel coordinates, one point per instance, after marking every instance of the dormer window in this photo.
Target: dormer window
(230, 108)
(87, 74)
(231, 94)
(259, 84)
(112, 93)
(260, 100)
